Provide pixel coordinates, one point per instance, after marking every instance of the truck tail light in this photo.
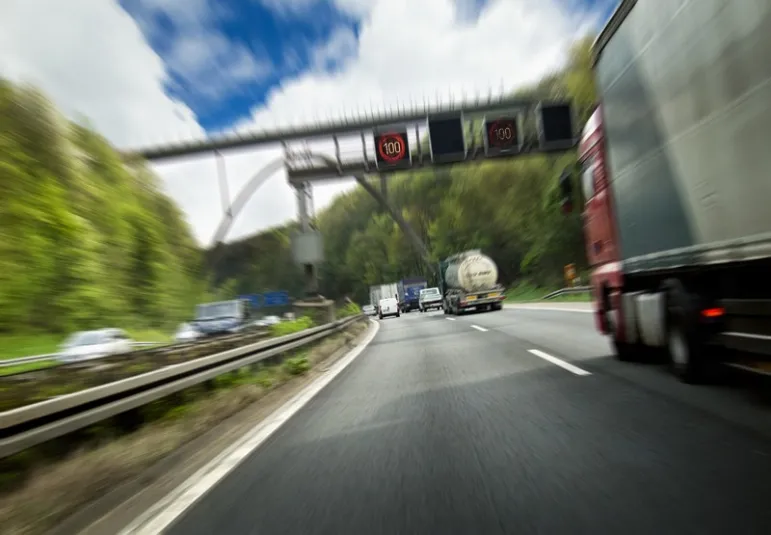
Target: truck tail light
(711, 313)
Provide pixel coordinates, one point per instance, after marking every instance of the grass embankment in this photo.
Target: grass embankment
(43, 485)
(350, 309)
(523, 293)
(13, 346)
(47, 386)
(28, 367)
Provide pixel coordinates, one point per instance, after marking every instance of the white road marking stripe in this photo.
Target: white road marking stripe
(559, 362)
(478, 328)
(450, 319)
(159, 517)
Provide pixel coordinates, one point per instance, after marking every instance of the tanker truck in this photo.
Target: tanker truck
(675, 187)
(470, 280)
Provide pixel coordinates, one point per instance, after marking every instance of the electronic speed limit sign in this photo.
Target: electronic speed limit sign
(502, 135)
(392, 149)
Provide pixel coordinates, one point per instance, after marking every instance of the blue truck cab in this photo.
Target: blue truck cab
(222, 317)
(409, 292)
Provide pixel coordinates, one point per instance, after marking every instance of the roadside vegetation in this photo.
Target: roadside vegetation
(523, 293)
(22, 345)
(290, 327)
(350, 309)
(88, 240)
(41, 486)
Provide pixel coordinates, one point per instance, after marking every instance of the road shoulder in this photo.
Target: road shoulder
(125, 503)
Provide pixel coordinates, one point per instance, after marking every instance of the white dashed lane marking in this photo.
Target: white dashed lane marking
(559, 362)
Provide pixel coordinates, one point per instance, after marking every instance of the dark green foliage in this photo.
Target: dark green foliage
(86, 241)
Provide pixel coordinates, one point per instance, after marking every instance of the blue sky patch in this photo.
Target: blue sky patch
(223, 58)
(222, 62)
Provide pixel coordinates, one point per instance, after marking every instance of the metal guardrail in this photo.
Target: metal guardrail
(565, 291)
(50, 356)
(33, 424)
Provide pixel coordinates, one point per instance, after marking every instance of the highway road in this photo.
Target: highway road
(506, 422)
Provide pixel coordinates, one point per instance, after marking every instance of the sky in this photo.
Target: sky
(154, 72)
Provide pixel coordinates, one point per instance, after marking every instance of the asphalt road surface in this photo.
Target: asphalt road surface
(511, 422)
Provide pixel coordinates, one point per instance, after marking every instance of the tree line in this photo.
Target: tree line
(86, 240)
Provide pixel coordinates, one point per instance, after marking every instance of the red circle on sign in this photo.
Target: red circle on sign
(497, 127)
(391, 147)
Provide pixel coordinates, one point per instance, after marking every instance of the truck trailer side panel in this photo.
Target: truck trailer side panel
(685, 88)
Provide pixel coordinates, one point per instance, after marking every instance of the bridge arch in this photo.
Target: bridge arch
(276, 165)
(257, 180)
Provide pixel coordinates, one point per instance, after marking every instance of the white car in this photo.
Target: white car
(430, 298)
(388, 307)
(271, 320)
(186, 333)
(369, 310)
(88, 345)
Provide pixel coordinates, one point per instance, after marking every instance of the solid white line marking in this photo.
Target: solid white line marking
(553, 309)
(161, 515)
(450, 319)
(478, 328)
(559, 362)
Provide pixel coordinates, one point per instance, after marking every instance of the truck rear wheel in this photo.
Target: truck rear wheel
(687, 352)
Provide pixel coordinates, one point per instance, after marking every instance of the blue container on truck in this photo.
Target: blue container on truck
(409, 292)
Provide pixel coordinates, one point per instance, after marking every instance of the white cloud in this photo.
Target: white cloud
(92, 60)
(91, 57)
(214, 67)
(341, 46)
(209, 64)
(289, 8)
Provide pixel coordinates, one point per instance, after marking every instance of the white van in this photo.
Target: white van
(388, 307)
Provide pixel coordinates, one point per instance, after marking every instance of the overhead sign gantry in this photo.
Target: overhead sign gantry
(446, 137)
(387, 142)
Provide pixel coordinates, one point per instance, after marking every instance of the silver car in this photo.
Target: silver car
(89, 345)
(430, 298)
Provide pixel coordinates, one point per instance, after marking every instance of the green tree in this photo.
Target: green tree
(85, 239)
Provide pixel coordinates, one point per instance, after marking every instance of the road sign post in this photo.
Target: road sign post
(570, 275)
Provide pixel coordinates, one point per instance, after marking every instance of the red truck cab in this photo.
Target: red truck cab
(601, 236)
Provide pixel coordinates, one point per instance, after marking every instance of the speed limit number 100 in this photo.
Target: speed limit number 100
(502, 134)
(391, 148)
